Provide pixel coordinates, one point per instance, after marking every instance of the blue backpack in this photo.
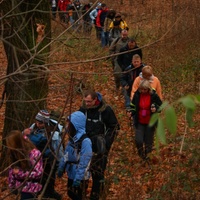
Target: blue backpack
(40, 142)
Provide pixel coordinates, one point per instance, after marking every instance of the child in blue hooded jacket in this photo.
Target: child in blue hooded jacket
(77, 156)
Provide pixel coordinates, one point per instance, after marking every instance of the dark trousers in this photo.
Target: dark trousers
(77, 193)
(98, 32)
(98, 166)
(27, 195)
(144, 136)
(49, 192)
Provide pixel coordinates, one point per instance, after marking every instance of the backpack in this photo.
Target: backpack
(40, 142)
(98, 137)
(77, 147)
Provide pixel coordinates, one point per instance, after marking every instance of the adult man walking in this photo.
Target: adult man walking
(114, 48)
(128, 77)
(101, 15)
(101, 121)
(124, 60)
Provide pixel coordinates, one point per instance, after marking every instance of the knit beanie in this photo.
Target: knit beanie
(98, 4)
(43, 116)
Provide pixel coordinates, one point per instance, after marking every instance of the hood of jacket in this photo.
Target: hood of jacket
(78, 119)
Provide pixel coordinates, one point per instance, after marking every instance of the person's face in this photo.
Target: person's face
(117, 18)
(125, 34)
(136, 62)
(131, 45)
(39, 124)
(146, 76)
(89, 102)
(144, 90)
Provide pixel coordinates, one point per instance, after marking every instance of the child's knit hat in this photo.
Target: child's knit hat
(43, 116)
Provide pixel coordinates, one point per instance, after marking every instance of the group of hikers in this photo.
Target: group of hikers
(107, 22)
(37, 155)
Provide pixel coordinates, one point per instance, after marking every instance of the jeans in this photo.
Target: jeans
(126, 98)
(104, 38)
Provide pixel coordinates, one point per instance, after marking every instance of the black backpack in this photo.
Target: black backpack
(97, 137)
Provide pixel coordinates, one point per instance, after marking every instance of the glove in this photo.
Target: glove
(76, 183)
(60, 173)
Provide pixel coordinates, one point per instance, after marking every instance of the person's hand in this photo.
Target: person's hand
(27, 131)
(153, 108)
(128, 112)
(126, 87)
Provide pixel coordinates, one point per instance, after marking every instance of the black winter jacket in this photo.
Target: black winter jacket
(130, 75)
(101, 119)
(124, 60)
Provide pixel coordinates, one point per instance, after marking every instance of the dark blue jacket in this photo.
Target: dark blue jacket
(129, 76)
(124, 60)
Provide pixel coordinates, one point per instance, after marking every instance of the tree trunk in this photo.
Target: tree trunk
(26, 85)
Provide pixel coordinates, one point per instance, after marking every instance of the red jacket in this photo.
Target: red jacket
(62, 5)
(101, 15)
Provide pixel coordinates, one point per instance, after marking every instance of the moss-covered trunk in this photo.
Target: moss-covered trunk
(26, 85)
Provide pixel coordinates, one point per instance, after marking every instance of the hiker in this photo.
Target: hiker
(93, 15)
(54, 5)
(26, 165)
(87, 22)
(77, 158)
(116, 26)
(101, 128)
(73, 10)
(128, 77)
(145, 102)
(114, 48)
(38, 135)
(106, 28)
(62, 7)
(124, 60)
(101, 15)
(147, 74)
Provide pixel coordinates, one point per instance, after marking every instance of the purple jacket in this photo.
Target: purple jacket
(32, 184)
